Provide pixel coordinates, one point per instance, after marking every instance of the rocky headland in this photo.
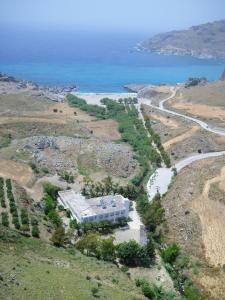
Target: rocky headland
(203, 41)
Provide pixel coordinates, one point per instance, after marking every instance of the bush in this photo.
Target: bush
(58, 236)
(94, 291)
(24, 216)
(54, 218)
(35, 231)
(124, 269)
(191, 293)
(151, 291)
(34, 167)
(25, 227)
(170, 254)
(132, 254)
(51, 190)
(68, 177)
(16, 222)
(5, 219)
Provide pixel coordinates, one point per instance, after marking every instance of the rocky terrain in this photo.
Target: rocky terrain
(10, 84)
(79, 155)
(202, 41)
(148, 91)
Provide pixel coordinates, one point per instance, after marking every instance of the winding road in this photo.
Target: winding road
(160, 180)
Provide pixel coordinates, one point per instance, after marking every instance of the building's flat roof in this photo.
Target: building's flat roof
(94, 206)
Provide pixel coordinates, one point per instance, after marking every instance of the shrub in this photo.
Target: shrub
(54, 218)
(51, 190)
(94, 291)
(5, 219)
(132, 254)
(24, 216)
(170, 254)
(34, 167)
(24, 227)
(58, 236)
(124, 269)
(191, 293)
(35, 231)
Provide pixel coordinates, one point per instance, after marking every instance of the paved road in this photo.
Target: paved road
(161, 179)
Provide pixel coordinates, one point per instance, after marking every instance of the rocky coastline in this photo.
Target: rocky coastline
(10, 84)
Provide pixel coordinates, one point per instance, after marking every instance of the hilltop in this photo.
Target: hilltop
(202, 41)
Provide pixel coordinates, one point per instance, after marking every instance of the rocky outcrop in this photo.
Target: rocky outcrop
(223, 76)
(6, 78)
(10, 84)
(135, 87)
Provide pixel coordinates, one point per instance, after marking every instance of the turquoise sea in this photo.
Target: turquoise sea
(95, 62)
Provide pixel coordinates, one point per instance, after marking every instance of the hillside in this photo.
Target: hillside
(31, 269)
(202, 41)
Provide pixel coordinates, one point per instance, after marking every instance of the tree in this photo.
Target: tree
(58, 236)
(51, 190)
(49, 203)
(54, 218)
(90, 244)
(154, 214)
(128, 252)
(150, 248)
(108, 249)
(108, 184)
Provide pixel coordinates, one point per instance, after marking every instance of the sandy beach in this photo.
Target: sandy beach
(94, 98)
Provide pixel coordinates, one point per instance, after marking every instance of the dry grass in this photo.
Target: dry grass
(205, 101)
(212, 216)
(196, 222)
(17, 171)
(181, 137)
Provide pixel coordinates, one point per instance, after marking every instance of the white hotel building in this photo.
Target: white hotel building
(95, 209)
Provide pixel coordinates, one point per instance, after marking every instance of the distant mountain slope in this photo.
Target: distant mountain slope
(203, 41)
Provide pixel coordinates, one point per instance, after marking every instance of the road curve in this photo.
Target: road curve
(160, 180)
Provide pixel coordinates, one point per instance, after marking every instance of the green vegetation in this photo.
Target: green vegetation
(95, 110)
(5, 140)
(2, 195)
(131, 128)
(12, 204)
(107, 187)
(157, 141)
(50, 208)
(153, 292)
(5, 219)
(129, 253)
(41, 269)
(195, 81)
(132, 254)
(170, 254)
(68, 177)
(35, 231)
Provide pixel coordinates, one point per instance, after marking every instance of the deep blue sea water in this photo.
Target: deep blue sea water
(95, 62)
